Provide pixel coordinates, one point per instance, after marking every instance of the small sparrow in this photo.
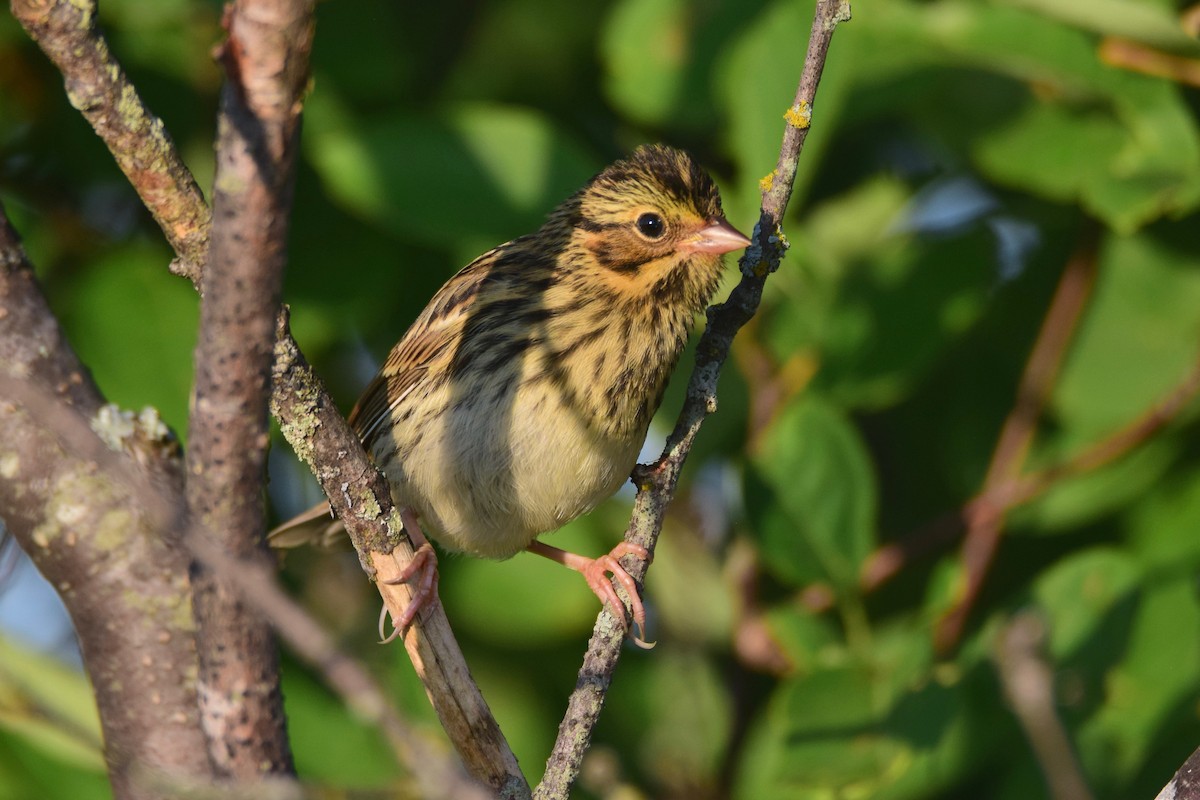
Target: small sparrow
(520, 397)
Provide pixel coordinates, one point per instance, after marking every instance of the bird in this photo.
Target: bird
(521, 396)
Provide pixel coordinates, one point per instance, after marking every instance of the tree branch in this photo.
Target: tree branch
(63, 31)
(266, 66)
(1028, 682)
(360, 497)
(107, 556)
(656, 484)
(985, 525)
(98, 87)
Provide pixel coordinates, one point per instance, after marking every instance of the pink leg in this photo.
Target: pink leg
(421, 574)
(595, 570)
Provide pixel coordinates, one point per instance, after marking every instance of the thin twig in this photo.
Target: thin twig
(1028, 682)
(266, 66)
(100, 89)
(985, 523)
(886, 562)
(656, 484)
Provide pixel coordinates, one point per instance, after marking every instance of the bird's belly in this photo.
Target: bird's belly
(501, 468)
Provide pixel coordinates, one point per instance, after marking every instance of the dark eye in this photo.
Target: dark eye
(651, 225)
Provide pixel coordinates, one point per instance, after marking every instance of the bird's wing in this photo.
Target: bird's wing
(426, 349)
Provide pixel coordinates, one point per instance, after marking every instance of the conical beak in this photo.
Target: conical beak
(715, 238)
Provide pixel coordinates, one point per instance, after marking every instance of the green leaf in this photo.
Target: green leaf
(1078, 594)
(1154, 23)
(835, 733)
(50, 706)
(811, 495)
(467, 179)
(757, 83)
(528, 600)
(1125, 169)
(134, 325)
(329, 744)
(1140, 335)
(646, 46)
(1162, 529)
(1152, 687)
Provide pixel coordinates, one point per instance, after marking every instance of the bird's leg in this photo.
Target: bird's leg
(421, 574)
(595, 570)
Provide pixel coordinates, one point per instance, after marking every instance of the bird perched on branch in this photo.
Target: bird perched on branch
(520, 397)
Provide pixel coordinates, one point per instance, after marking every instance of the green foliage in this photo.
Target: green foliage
(862, 404)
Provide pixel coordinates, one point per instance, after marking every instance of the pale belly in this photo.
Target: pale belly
(492, 475)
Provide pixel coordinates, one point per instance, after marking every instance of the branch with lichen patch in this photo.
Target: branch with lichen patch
(656, 483)
(98, 87)
(360, 498)
(67, 33)
(106, 553)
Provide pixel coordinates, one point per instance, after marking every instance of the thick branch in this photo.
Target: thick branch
(656, 484)
(440, 662)
(265, 58)
(107, 556)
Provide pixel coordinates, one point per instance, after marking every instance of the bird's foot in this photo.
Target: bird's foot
(421, 575)
(596, 571)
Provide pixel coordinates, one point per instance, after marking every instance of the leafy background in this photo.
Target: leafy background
(962, 151)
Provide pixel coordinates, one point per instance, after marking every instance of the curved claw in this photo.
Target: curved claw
(596, 572)
(422, 576)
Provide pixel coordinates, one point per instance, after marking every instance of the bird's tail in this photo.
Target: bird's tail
(317, 525)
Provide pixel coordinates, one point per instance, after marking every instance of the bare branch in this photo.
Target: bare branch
(266, 66)
(656, 484)
(61, 29)
(1028, 682)
(985, 525)
(360, 497)
(106, 554)
(99, 88)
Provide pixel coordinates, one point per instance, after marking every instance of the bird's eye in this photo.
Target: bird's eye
(651, 225)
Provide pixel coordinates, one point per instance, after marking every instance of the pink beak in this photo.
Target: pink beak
(715, 238)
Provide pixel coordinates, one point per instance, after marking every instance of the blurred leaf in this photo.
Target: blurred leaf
(806, 640)
(1150, 22)
(691, 718)
(329, 745)
(646, 46)
(1154, 682)
(466, 180)
(688, 590)
(134, 324)
(1077, 593)
(811, 496)
(834, 732)
(757, 84)
(659, 58)
(529, 600)
(50, 706)
(1139, 337)
(1126, 176)
(1162, 529)
(1094, 494)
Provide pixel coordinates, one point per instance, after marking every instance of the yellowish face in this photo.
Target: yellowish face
(653, 227)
